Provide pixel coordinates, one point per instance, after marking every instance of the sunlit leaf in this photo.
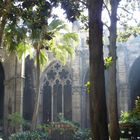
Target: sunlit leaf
(43, 58)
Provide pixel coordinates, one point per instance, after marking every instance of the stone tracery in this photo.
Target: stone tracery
(56, 89)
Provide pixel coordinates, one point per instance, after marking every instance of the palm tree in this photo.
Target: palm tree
(49, 40)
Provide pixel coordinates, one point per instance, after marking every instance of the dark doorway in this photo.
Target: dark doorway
(1, 93)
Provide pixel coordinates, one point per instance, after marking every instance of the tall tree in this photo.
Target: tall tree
(112, 89)
(56, 47)
(98, 110)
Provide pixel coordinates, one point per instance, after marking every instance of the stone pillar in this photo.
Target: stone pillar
(13, 97)
(122, 78)
(76, 90)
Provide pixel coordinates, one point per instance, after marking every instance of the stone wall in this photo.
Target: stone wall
(14, 70)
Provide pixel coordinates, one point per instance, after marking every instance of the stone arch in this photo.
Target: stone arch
(29, 89)
(57, 92)
(134, 81)
(2, 78)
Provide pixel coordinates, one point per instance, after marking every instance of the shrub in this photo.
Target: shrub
(60, 128)
(83, 134)
(29, 135)
(15, 119)
(130, 121)
(132, 116)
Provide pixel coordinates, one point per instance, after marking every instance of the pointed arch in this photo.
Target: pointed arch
(57, 94)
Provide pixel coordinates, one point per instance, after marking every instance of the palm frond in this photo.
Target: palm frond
(56, 25)
(61, 55)
(43, 58)
(24, 48)
(70, 39)
(67, 49)
(68, 36)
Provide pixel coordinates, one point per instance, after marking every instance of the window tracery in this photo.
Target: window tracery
(56, 91)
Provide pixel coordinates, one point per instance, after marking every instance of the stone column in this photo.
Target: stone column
(76, 90)
(13, 97)
(122, 84)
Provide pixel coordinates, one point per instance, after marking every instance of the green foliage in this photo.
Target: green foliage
(68, 37)
(62, 45)
(73, 9)
(129, 117)
(130, 121)
(136, 110)
(123, 36)
(28, 25)
(62, 123)
(83, 134)
(15, 119)
(24, 49)
(84, 21)
(61, 127)
(14, 36)
(56, 25)
(132, 116)
(29, 135)
(24, 41)
(43, 57)
(107, 62)
(125, 117)
(87, 85)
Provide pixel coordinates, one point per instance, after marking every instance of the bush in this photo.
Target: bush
(15, 119)
(29, 135)
(83, 134)
(63, 130)
(130, 121)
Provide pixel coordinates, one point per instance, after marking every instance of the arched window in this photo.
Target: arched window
(56, 90)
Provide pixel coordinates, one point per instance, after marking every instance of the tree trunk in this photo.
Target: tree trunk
(98, 110)
(37, 96)
(112, 101)
(2, 26)
(4, 20)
